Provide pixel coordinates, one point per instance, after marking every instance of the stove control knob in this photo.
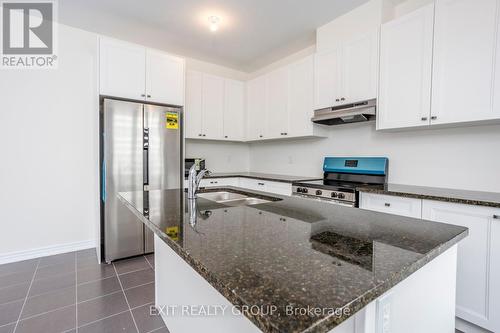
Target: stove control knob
(318, 192)
(298, 190)
(305, 190)
(341, 196)
(334, 194)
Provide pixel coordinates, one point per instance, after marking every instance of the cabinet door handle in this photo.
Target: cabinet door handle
(143, 95)
(149, 96)
(424, 118)
(337, 100)
(434, 117)
(261, 184)
(285, 133)
(260, 136)
(497, 217)
(387, 204)
(225, 136)
(199, 134)
(342, 99)
(204, 135)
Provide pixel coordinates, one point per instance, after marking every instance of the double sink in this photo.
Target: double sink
(234, 199)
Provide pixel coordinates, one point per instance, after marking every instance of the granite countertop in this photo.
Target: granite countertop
(294, 253)
(262, 176)
(489, 199)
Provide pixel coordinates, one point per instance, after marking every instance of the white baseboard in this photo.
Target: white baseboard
(466, 327)
(6, 258)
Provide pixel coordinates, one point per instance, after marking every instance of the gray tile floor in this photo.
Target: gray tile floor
(70, 292)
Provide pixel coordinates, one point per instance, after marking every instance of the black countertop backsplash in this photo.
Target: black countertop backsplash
(262, 176)
(294, 252)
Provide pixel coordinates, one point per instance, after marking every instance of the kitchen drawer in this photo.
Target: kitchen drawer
(253, 184)
(266, 186)
(391, 204)
(279, 188)
(214, 182)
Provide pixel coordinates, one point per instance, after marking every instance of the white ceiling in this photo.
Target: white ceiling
(252, 34)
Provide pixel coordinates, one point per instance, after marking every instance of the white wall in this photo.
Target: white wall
(464, 157)
(214, 69)
(49, 144)
(220, 156)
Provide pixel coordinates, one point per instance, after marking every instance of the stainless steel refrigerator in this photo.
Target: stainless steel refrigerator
(141, 149)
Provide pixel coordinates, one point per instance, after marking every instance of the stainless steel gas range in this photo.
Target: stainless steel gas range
(341, 177)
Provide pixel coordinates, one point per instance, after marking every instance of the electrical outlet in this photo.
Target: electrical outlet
(384, 313)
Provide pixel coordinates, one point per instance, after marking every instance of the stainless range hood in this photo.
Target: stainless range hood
(348, 113)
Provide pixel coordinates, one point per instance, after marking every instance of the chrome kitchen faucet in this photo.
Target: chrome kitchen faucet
(194, 181)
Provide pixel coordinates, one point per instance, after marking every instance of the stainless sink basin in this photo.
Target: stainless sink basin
(244, 202)
(232, 199)
(221, 196)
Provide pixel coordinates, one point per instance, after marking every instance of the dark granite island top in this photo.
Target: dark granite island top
(294, 252)
(478, 198)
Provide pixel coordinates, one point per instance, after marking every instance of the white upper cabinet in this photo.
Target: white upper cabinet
(213, 106)
(193, 110)
(359, 68)
(496, 87)
(347, 73)
(122, 69)
(406, 70)
(256, 109)
(277, 103)
(301, 98)
(478, 267)
(280, 104)
(463, 66)
(164, 78)
(327, 82)
(132, 71)
(234, 110)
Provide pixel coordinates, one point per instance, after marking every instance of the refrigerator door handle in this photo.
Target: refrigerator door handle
(145, 166)
(145, 156)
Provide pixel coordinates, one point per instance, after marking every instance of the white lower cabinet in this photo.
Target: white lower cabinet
(478, 267)
(391, 204)
(478, 271)
(249, 184)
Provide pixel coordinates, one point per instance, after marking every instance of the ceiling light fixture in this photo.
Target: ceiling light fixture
(214, 23)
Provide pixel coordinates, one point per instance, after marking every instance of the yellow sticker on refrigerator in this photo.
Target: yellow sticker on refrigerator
(172, 120)
(173, 233)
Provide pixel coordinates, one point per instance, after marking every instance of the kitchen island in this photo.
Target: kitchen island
(290, 264)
